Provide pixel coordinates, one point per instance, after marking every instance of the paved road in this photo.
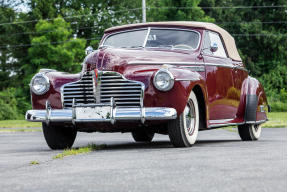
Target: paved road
(218, 162)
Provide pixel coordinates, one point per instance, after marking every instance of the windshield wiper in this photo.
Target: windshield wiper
(135, 46)
(106, 46)
(164, 46)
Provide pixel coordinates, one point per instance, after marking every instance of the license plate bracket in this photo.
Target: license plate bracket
(95, 113)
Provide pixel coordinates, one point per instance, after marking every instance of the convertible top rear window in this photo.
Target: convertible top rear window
(155, 37)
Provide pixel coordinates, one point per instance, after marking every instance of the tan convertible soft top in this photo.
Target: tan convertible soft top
(227, 38)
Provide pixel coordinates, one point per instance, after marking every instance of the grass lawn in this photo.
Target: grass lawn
(276, 119)
(18, 124)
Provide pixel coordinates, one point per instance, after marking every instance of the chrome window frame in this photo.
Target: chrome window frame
(222, 42)
(148, 32)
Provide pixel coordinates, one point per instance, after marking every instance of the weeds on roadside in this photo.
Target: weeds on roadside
(76, 151)
(34, 163)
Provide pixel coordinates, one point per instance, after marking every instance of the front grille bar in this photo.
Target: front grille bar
(89, 90)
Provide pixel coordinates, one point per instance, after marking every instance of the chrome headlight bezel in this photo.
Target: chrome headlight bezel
(46, 84)
(170, 84)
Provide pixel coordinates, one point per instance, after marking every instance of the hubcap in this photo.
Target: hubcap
(256, 128)
(189, 114)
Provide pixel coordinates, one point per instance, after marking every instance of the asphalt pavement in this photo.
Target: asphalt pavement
(219, 161)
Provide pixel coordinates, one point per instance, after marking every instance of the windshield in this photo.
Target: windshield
(163, 38)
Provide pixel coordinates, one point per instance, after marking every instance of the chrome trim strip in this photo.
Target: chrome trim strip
(112, 115)
(220, 65)
(256, 122)
(73, 111)
(183, 63)
(185, 79)
(97, 88)
(161, 63)
(224, 125)
(142, 110)
(48, 112)
(232, 124)
(220, 121)
(94, 85)
(146, 38)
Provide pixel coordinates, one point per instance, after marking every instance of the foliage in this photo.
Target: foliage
(81, 150)
(19, 124)
(45, 53)
(8, 105)
(278, 106)
(261, 53)
(278, 102)
(276, 120)
(59, 43)
(165, 10)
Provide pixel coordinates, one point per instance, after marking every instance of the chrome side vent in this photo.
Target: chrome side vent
(81, 91)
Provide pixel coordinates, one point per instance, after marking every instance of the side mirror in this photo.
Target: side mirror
(214, 47)
(89, 50)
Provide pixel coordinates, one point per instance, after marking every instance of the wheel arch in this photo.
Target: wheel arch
(199, 93)
(255, 103)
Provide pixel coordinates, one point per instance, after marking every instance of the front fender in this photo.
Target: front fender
(57, 79)
(185, 81)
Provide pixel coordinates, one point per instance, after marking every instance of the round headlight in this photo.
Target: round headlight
(163, 80)
(40, 84)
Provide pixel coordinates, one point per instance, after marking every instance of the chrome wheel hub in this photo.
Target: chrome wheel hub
(189, 114)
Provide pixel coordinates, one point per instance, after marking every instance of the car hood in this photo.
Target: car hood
(112, 59)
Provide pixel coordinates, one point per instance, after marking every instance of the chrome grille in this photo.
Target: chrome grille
(81, 91)
(126, 93)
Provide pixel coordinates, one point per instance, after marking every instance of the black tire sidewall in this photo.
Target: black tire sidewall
(59, 137)
(142, 135)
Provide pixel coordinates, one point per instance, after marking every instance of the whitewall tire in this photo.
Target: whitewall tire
(183, 130)
(249, 132)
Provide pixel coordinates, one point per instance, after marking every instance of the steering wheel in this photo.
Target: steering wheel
(182, 46)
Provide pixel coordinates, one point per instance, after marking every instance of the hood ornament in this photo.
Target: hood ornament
(89, 50)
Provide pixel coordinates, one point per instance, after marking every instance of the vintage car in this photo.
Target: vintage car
(174, 78)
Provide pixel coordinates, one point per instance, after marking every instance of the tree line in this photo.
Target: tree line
(38, 34)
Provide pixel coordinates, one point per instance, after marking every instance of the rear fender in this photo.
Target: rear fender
(253, 103)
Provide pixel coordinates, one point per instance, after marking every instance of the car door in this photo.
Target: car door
(219, 80)
(240, 74)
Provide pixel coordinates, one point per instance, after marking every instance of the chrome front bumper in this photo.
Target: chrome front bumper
(82, 113)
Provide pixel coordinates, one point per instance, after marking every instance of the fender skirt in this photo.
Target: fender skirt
(251, 108)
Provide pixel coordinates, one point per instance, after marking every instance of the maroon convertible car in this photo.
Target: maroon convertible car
(174, 78)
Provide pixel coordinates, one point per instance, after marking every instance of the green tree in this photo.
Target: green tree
(262, 52)
(54, 47)
(176, 10)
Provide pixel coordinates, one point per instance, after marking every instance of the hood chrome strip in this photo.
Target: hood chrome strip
(161, 63)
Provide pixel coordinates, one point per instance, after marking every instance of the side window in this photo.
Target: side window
(211, 38)
(206, 44)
